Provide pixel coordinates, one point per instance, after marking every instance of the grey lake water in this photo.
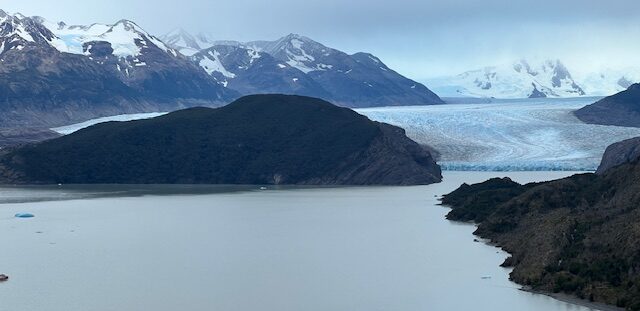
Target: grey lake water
(242, 249)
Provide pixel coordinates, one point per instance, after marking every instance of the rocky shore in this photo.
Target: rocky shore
(575, 236)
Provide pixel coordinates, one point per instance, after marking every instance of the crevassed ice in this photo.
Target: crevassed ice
(518, 135)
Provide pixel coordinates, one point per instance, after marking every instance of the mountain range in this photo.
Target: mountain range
(533, 79)
(55, 74)
(297, 64)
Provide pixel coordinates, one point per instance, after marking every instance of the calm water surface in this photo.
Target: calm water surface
(239, 249)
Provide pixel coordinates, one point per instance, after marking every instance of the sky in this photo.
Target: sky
(418, 38)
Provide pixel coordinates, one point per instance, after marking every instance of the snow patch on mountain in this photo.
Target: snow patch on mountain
(212, 64)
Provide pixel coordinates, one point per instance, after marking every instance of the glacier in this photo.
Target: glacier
(507, 135)
(68, 129)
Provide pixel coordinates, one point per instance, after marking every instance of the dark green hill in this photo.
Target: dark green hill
(622, 109)
(578, 235)
(261, 139)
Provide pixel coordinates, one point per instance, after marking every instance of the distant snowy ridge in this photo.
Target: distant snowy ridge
(609, 81)
(522, 79)
(533, 79)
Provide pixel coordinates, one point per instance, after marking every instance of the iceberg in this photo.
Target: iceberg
(24, 215)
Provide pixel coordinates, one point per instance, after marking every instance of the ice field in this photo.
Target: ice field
(515, 135)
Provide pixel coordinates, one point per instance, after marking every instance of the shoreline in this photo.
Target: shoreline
(574, 300)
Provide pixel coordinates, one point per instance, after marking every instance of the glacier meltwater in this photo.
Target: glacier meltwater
(507, 135)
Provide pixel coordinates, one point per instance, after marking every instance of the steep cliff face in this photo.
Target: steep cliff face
(260, 139)
(627, 151)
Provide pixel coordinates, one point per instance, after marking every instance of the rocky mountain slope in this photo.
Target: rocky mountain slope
(295, 64)
(622, 109)
(626, 151)
(251, 72)
(576, 235)
(260, 139)
(55, 74)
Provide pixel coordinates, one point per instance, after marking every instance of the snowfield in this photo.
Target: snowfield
(511, 135)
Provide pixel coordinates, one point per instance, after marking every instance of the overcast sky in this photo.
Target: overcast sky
(418, 38)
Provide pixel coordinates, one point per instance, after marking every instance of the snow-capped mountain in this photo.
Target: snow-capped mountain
(295, 64)
(299, 52)
(57, 73)
(354, 80)
(18, 31)
(521, 79)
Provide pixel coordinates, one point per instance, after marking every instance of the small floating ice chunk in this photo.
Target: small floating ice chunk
(24, 215)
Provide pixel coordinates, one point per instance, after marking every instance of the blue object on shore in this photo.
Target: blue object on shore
(25, 215)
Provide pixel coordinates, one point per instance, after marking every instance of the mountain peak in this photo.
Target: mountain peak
(129, 26)
(187, 43)
(295, 36)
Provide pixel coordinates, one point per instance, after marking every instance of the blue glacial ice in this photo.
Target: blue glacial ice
(517, 135)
